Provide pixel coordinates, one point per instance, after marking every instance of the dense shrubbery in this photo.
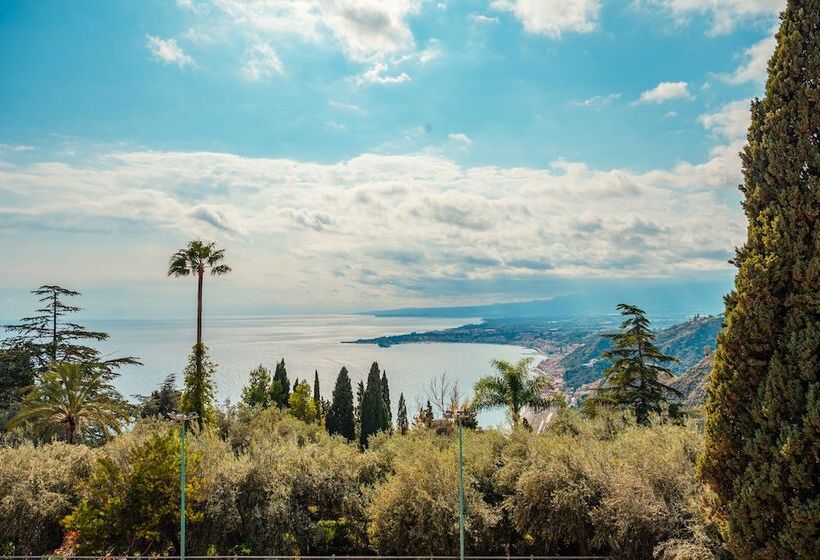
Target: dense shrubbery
(266, 482)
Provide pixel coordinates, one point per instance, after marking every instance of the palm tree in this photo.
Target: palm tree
(513, 388)
(195, 259)
(77, 397)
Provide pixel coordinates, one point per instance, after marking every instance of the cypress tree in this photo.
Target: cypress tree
(761, 448)
(375, 417)
(317, 397)
(280, 387)
(402, 422)
(386, 399)
(340, 413)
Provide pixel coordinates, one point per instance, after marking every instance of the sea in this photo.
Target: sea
(308, 344)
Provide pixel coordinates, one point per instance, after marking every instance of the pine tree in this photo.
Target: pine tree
(761, 447)
(280, 386)
(198, 394)
(633, 380)
(401, 418)
(375, 417)
(162, 401)
(386, 399)
(257, 391)
(340, 418)
(48, 337)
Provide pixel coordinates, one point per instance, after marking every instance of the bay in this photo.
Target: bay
(308, 343)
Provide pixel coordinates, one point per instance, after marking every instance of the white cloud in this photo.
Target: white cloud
(376, 75)
(666, 91)
(261, 61)
(596, 101)
(342, 228)
(15, 148)
(731, 121)
(460, 138)
(484, 19)
(168, 51)
(553, 17)
(725, 14)
(755, 67)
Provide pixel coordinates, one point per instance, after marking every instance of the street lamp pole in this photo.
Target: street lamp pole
(460, 487)
(183, 418)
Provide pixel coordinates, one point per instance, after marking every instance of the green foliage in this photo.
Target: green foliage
(513, 388)
(49, 338)
(301, 403)
(375, 416)
(17, 375)
(386, 398)
(130, 505)
(340, 416)
(317, 394)
(198, 394)
(633, 380)
(402, 422)
(162, 401)
(280, 388)
(257, 393)
(77, 401)
(38, 487)
(761, 443)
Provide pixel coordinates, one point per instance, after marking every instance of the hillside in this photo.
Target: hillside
(686, 341)
(692, 382)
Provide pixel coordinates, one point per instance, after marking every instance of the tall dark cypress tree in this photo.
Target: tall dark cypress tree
(357, 418)
(386, 399)
(375, 417)
(761, 446)
(402, 422)
(317, 396)
(339, 418)
(280, 387)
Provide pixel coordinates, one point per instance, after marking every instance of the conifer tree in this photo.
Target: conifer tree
(280, 386)
(375, 417)
(358, 409)
(162, 401)
(257, 391)
(340, 418)
(386, 398)
(317, 397)
(198, 394)
(402, 422)
(761, 447)
(633, 380)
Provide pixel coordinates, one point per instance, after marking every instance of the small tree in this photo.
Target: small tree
(301, 403)
(317, 395)
(198, 395)
(386, 399)
(513, 388)
(257, 392)
(402, 423)
(340, 418)
(162, 401)
(633, 380)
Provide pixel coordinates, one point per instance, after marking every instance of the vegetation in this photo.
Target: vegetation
(633, 381)
(513, 389)
(198, 395)
(162, 401)
(340, 416)
(375, 416)
(401, 417)
(77, 401)
(761, 449)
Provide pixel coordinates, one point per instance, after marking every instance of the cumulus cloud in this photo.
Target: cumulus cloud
(553, 17)
(484, 19)
(665, 91)
(731, 121)
(460, 138)
(168, 51)
(755, 66)
(376, 74)
(261, 61)
(725, 14)
(399, 222)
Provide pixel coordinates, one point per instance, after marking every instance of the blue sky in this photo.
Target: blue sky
(357, 154)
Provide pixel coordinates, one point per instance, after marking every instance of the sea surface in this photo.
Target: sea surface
(307, 343)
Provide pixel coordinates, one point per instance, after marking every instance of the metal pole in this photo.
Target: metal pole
(182, 495)
(460, 491)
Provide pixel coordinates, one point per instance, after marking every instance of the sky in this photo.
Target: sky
(364, 154)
